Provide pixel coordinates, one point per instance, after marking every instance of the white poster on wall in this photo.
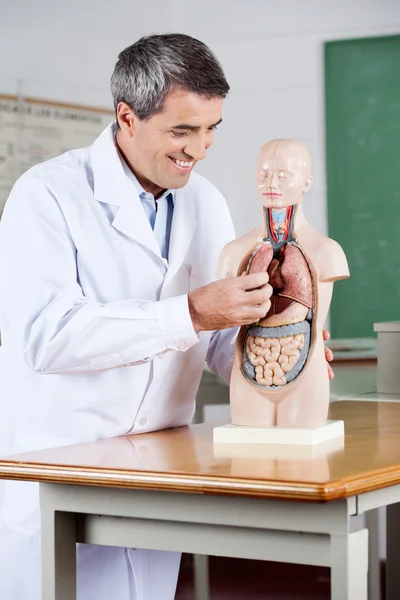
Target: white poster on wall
(33, 130)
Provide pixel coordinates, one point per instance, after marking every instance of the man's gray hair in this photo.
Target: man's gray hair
(150, 69)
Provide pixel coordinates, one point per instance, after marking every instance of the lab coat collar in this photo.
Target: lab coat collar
(112, 186)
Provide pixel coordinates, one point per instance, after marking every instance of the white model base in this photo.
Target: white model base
(278, 452)
(299, 436)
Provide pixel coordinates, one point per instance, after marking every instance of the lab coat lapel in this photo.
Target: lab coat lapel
(183, 226)
(131, 220)
(112, 186)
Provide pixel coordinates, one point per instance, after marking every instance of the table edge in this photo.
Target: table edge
(227, 486)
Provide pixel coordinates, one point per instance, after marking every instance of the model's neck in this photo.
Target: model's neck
(281, 223)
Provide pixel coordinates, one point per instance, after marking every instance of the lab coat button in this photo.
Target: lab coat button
(143, 421)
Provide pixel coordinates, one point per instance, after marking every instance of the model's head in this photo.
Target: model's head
(283, 173)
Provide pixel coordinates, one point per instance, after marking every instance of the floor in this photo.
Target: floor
(234, 579)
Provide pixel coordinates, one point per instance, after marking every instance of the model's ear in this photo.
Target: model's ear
(126, 118)
(308, 183)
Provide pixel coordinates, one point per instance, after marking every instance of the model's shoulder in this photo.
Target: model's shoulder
(325, 244)
(234, 251)
(244, 241)
(335, 265)
(327, 255)
(251, 237)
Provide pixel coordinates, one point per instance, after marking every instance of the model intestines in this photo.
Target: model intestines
(275, 349)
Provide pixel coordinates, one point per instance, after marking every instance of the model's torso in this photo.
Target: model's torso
(273, 352)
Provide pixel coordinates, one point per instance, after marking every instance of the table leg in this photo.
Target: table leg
(201, 577)
(349, 566)
(58, 555)
(374, 563)
(392, 552)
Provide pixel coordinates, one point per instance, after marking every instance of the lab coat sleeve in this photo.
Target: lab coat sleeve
(221, 352)
(57, 328)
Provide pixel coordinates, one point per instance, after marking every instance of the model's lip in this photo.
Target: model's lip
(271, 194)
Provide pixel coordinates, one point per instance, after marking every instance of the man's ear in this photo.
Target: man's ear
(308, 183)
(126, 119)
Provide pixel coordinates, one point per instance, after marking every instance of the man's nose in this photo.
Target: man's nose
(197, 147)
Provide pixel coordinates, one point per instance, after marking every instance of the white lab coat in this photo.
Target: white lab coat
(97, 340)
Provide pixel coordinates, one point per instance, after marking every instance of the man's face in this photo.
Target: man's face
(283, 174)
(163, 150)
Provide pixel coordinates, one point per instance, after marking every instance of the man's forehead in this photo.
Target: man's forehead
(187, 106)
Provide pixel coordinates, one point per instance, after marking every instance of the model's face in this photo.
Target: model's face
(282, 175)
(163, 150)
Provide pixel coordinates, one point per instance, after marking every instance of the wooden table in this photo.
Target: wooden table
(174, 490)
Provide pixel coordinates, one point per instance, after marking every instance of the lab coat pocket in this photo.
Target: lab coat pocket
(20, 509)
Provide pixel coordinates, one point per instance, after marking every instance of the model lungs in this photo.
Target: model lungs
(275, 350)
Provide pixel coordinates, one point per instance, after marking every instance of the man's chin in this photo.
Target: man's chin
(179, 182)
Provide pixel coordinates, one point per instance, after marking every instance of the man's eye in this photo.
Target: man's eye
(180, 133)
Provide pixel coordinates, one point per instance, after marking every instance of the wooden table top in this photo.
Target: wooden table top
(186, 460)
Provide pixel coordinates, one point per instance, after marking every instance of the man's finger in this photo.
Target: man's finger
(253, 281)
(259, 295)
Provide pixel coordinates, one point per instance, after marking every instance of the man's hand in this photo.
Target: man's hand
(230, 302)
(328, 354)
(234, 302)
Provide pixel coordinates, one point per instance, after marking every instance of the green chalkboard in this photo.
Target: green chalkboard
(362, 100)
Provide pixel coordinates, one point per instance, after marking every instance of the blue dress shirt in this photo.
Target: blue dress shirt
(159, 212)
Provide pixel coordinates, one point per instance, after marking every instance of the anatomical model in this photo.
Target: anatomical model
(280, 375)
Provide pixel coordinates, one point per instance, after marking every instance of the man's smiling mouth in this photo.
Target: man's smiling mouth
(182, 166)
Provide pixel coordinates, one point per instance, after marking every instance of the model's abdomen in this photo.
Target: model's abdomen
(275, 350)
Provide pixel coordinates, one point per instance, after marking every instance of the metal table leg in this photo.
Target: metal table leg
(392, 552)
(374, 570)
(349, 566)
(58, 555)
(201, 577)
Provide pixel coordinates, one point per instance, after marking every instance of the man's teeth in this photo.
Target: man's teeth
(182, 163)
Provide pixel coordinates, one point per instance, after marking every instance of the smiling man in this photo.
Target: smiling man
(166, 147)
(109, 306)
